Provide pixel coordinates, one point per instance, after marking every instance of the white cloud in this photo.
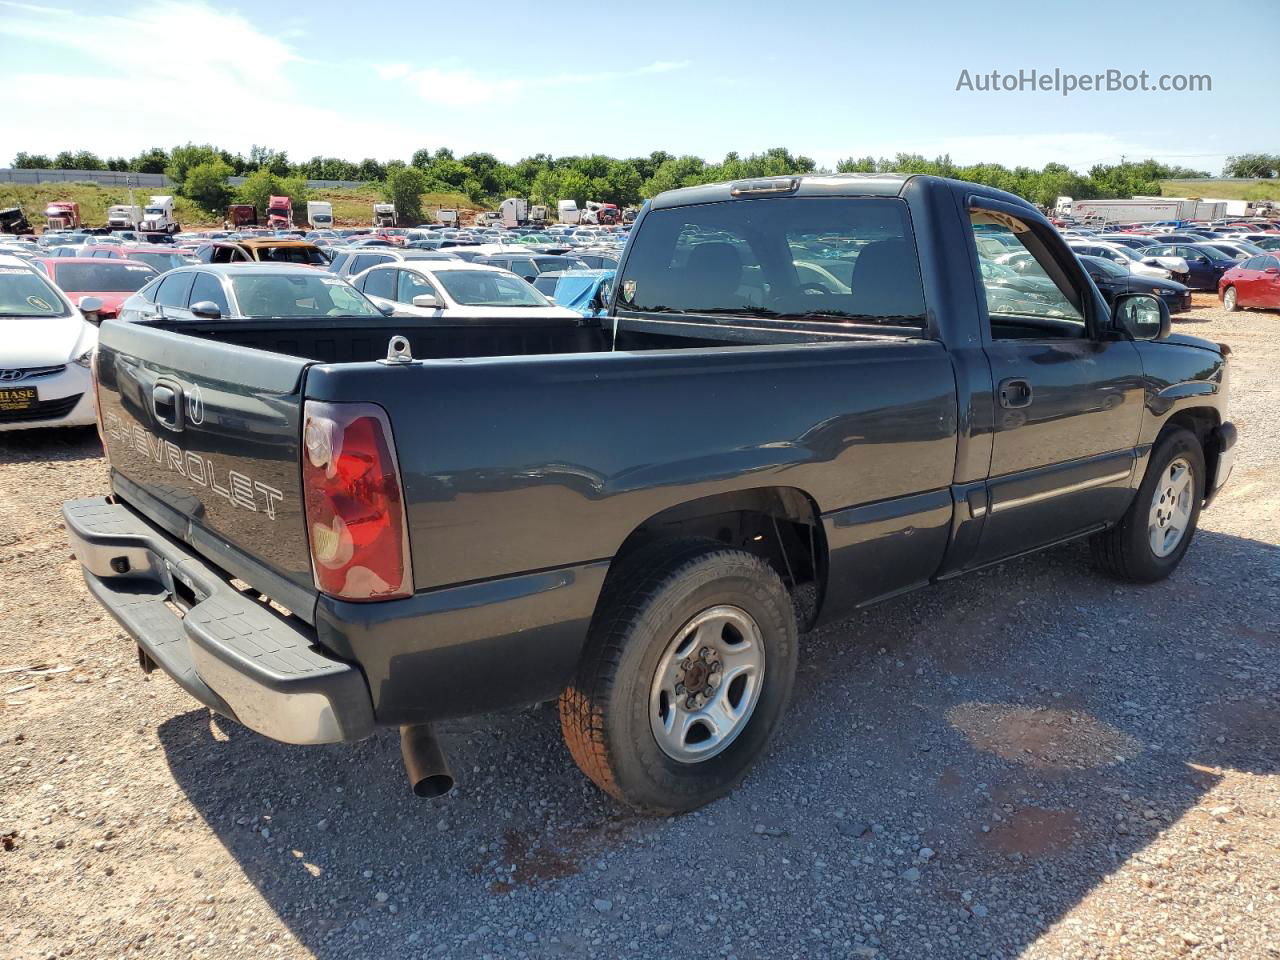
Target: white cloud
(462, 87)
(665, 66)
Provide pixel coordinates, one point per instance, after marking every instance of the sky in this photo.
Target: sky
(383, 79)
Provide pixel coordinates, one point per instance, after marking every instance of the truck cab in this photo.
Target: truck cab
(157, 216)
(384, 215)
(280, 213)
(62, 215)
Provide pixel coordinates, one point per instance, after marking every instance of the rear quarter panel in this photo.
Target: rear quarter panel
(518, 464)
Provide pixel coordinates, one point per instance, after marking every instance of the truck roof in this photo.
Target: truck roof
(811, 185)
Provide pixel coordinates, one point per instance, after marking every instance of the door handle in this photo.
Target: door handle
(1015, 392)
(166, 406)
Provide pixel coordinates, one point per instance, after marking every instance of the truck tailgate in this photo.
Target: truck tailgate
(203, 438)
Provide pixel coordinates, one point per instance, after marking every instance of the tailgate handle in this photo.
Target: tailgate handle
(165, 405)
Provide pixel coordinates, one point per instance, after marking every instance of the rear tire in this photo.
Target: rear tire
(713, 620)
(1230, 300)
(1155, 532)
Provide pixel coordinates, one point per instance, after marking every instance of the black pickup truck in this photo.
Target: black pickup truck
(803, 398)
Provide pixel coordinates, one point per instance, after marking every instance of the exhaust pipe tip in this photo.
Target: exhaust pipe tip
(424, 761)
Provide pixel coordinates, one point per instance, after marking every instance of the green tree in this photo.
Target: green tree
(150, 161)
(404, 188)
(32, 161)
(182, 159)
(1260, 165)
(206, 184)
(277, 161)
(258, 189)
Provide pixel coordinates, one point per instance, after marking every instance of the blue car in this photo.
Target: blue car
(582, 291)
(1205, 263)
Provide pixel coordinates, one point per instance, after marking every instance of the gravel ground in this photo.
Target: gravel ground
(1032, 762)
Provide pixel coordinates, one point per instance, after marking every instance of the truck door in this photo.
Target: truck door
(1067, 394)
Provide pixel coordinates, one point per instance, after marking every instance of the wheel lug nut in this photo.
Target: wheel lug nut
(704, 652)
(691, 703)
(679, 688)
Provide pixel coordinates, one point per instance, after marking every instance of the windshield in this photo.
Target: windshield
(488, 288)
(155, 211)
(311, 255)
(847, 259)
(24, 293)
(299, 295)
(105, 277)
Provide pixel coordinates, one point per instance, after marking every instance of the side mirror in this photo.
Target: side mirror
(386, 309)
(206, 310)
(91, 309)
(1142, 316)
(427, 301)
(1151, 261)
(1272, 271)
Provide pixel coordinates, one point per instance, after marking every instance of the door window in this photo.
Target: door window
(208, 287)
(381, 283)
(364, 261)
(1024, 300)
(412, 285)
(174, 290)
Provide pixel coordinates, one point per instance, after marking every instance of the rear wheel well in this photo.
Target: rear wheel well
(778, 524)
(1201, 421)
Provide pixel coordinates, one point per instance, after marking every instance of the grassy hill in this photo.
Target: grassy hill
(1222, 189)
(352, 207)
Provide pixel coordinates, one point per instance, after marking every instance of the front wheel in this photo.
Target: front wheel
(1229, 300)
(1153, 536)
(688, 667)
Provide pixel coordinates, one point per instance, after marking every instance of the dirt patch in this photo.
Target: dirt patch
(1044, 738)
(1033, 832)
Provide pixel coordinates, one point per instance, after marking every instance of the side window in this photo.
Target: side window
(381, 283)
(1028, 294)
(1269, 263)
(1253, 263)
(174, 290)
(364, 261)
(335, 265)
(524, 268)
(208, 287)
(412, 285)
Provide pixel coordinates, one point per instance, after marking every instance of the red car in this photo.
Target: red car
(109, 279)
(1253, 283)
(161, 258)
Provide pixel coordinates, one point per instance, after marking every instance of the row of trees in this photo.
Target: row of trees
(200, 172)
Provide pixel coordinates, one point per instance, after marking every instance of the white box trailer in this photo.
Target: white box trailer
(1186, 205)
(320, 214)
(567, 211)
(515, 211)
(121, 216)
(1128, 211)
(1210, 210)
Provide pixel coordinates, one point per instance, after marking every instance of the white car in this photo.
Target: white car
(452, 290)
(46, 347)
(1162, 268)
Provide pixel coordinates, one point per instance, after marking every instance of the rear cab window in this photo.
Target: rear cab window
(846, 260)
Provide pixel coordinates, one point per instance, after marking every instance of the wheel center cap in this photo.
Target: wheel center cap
(695, 678)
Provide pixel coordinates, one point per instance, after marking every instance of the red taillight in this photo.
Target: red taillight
(355, 510)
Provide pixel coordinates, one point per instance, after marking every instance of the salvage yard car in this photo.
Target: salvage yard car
(452, 290)
(46, 347)
(247, 291)
(637, 513)
(1253, 283)
(110, 281)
